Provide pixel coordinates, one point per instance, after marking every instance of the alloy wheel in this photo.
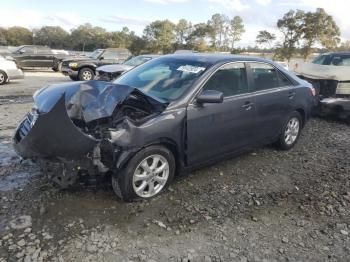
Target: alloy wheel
(87, 75)
(150, 176)
(2, 78)
(292, 131)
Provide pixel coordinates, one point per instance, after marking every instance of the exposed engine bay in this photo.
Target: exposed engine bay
(332, 85)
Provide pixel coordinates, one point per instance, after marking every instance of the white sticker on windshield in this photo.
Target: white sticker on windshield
(191, 69)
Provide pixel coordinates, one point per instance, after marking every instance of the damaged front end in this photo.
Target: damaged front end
(83, 128)
(332, 84)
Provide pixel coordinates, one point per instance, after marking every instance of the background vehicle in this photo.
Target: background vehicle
(336, 59)
(169, 114)
(330, 76)
(84, 68)
(37, 56)
(112, 72)
(9, 71)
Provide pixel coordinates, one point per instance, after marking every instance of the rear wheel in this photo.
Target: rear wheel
(86, 74)
(291, 131)
(146, 175)
(3, 77)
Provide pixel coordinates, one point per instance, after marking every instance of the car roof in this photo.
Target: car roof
(213, 58)
(150, 55)
(336, 53)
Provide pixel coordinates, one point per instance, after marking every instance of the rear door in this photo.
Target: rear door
(274, 95)
(44, 57)
(109, 57)
(216, 129)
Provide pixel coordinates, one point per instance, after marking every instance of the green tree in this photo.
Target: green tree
(52, 36)
(17, 35)
(160, 36)
(290, 26)
(236, 29)
(265, 38)
(87, 38)
(196, 39)
(216, 29)
(3, 40)
(182, 30)
(319, 28)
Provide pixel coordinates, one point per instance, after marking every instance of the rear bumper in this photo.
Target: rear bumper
(15, 74)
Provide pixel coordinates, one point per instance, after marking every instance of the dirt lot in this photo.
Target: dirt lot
(266, 205)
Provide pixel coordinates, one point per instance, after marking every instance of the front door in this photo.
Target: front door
(216, 129)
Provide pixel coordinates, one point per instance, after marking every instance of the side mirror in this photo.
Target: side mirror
(210, 96)
(101, 58)
(21, 51)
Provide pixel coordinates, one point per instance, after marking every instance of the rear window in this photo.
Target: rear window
(266, 76)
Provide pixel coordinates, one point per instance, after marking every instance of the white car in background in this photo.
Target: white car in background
(9, 71)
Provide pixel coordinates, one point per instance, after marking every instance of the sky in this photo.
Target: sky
(136, 14)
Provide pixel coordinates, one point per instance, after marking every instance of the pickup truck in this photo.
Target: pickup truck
(84, 68)
(36, 56)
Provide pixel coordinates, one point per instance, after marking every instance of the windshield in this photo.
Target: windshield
(320, 60)
(96, 53)
(135, 61)
(166, 78)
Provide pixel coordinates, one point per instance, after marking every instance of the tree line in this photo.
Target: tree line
(300, 32)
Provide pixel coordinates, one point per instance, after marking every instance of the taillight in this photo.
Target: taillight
(312, 91)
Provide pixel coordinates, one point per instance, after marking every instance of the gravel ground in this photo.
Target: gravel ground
(266, 205)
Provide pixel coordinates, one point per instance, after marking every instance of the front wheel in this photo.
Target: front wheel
(290, 132)
(86, 74)
(3, 77)
(146, 175)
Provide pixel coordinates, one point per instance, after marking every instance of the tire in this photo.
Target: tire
(291, 131)
(86, 74)
(3, 77)
(134, 176)
(74, 78)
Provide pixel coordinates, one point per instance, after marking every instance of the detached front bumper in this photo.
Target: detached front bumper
(69, 72)
(52, 135)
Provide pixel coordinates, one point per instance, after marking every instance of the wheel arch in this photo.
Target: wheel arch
(302, 113)
(165, 142)
(92, 67)
(5, 74)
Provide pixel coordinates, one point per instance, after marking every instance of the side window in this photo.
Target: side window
(266, 76)
(110, 55)
(346, 61)
(230, 80)
(28, 50)
(43, 50)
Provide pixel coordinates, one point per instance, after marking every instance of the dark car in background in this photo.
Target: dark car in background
(111, 72)
(170, 114)
(36, 56)
(84, 68)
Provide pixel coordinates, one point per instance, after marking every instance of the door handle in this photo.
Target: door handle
(247, 105)
(291, 95)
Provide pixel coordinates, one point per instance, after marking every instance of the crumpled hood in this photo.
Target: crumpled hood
(52, 133)
(114, 68)
(89, 100)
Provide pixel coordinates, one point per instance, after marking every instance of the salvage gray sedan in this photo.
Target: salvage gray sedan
(168, 115)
